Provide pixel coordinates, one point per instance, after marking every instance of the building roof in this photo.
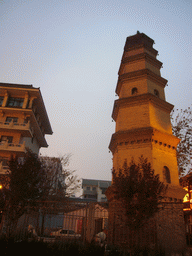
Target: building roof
(17, 85)
(139, 38)
(100, 183)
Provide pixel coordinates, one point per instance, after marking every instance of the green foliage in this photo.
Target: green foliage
(139, 190)
(182, 128)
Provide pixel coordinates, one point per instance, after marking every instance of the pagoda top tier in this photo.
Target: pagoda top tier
(138, 40)
(140, 68)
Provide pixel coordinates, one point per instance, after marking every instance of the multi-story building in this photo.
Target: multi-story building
(23, 121)
(95, 189)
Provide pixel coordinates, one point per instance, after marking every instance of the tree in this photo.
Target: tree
(139, 190)
(182, 128)
(62, 181)
(23, 185)
(32, 179)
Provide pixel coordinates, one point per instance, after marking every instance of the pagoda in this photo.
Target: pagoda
(143, 127)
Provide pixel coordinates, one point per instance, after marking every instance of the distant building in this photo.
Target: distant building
(23, 121)
(95, 189)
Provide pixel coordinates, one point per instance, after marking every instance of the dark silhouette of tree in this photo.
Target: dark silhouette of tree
(31, 180)
(62, 181)
(139, 190)
(22, 186)
(182, 128)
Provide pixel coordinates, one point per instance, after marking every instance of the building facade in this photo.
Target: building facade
(94, 190)
(23, 121)
(143, 127)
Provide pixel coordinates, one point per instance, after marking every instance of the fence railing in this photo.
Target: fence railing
(51, 221)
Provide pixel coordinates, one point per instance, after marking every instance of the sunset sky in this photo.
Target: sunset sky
(72, 50)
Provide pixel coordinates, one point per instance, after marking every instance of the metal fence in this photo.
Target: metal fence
(167, 229)
(50, 221)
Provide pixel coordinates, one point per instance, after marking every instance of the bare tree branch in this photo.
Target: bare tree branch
(182, 128)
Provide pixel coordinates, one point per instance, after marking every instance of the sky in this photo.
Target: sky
(72, 50)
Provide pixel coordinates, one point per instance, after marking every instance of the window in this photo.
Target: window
(4, 161)
(91, 197)
(10, 119)
(166, 174)
(15, 102)
(71, 232)
(103, 190)
(94, 188)
(156, 92)
(1, 101)
(63, 231)
(7, 138)
(27, 119)
(88, 188)
(134, 91)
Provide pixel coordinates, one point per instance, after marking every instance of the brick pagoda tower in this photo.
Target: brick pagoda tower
(143, 125)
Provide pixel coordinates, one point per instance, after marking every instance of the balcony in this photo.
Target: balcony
(3, 169)
(89, 192)
(25, 128)
(12, 147)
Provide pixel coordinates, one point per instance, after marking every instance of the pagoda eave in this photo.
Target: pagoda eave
(142, 99)
(140, 74)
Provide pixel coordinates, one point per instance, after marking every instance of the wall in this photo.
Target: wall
(133, 117)
(32, 144)
(165, 231)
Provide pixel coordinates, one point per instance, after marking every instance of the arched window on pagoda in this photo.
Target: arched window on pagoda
(166, 174)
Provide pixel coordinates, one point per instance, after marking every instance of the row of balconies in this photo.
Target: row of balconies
(26, 127)
(27, 130)
(89, 192)
(6, 146)
(94, 194)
